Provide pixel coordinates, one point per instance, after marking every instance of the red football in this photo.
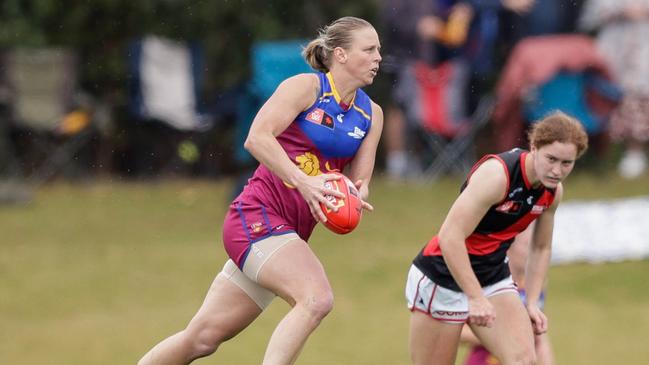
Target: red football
(350, 209)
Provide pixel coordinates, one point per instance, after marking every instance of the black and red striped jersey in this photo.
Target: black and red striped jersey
(487, 245)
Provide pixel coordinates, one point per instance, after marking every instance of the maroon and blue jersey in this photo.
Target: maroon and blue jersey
(322, 139)
(487, 245)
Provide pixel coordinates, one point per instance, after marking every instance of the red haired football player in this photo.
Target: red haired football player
(462, 275)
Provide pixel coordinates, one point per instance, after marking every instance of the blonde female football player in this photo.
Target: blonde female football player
(312, 125)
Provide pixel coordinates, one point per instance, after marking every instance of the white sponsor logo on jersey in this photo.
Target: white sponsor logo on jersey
(515, 191)
(537, 209)
(357, 133)
(315, 116)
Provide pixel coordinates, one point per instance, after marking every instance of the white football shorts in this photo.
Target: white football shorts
(444, 304)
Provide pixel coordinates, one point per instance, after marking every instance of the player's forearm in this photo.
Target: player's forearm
(363, 173)
(537, 268)
(266, 149)
(457, 260)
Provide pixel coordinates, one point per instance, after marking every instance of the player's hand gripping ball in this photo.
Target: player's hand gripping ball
(350, 207)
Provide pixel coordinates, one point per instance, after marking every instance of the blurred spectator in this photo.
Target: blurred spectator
(498, 25)
(533, 17)
(402, 46)
(529, 18)
(461, 34)
(428, 32)
(622, 27)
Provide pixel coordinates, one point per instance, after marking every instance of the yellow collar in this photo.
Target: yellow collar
(335, 91)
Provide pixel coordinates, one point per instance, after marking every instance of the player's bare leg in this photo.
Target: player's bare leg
(226, 311)
(511, 338)
(544, 351)
(432, 342)
(295, 274)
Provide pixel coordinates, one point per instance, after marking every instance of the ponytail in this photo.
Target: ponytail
(315, 55)
(337, 34)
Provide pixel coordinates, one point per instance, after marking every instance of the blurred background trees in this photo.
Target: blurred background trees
(101, 29)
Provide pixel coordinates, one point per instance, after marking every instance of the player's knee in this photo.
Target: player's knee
(206, 341)
(318, 305)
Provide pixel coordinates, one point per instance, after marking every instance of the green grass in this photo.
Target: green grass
(97, 274)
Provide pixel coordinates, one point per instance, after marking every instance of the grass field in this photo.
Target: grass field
(97, 274)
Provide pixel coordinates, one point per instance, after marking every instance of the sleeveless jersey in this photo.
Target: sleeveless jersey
(322, 139)
(487, 245)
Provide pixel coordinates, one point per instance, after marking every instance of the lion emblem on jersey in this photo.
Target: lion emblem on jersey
(309, 163)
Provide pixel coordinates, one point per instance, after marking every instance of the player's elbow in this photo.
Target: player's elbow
(445, 240)
(451, 238)
(257, 139)
(250, 143)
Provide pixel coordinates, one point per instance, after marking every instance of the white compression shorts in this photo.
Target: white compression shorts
(260, 252)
